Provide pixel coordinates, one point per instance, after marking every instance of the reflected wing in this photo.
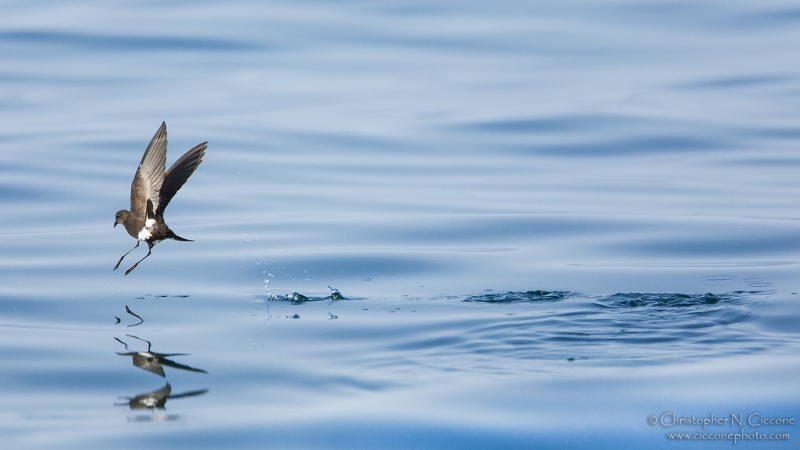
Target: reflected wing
(188, 394)
(177, 175)
(174, 365)
(150, 174)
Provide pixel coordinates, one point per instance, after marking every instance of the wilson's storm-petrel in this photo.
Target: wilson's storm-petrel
(151, 191)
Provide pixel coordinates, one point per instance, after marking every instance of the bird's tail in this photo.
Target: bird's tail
(178, 238)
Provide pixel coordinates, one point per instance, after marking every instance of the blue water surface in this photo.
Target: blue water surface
(417, 225)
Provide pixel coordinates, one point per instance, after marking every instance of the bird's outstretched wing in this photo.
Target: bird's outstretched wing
(149, 178)
(177, 175)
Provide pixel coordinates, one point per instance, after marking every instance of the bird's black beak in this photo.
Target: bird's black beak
(115, 224)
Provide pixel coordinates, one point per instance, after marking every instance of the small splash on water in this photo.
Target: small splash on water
(297, 299)
(294, 297)
(266, 287)
(335, 294)
(269, 298)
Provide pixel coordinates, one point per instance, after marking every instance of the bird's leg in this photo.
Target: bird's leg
(126, 254)
(149, 248)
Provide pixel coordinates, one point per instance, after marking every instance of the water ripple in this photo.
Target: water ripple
(621, 328)
(511, 297)
(670, 300)
(120, 42)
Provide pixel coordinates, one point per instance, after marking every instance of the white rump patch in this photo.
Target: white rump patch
(149, 223)
(144, 234)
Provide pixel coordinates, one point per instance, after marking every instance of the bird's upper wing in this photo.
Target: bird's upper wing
(150, 175)
(178, 173)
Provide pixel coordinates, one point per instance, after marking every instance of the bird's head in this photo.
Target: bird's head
(121, 216)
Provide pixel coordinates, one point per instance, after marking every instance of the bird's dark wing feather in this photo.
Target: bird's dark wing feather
(150, 175)
(178, 173)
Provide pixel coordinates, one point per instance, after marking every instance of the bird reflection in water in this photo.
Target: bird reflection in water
(154, 362)
(157, 399)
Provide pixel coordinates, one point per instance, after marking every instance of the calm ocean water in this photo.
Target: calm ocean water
(417, 225)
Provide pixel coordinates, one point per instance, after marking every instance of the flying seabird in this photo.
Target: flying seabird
(151, 191)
